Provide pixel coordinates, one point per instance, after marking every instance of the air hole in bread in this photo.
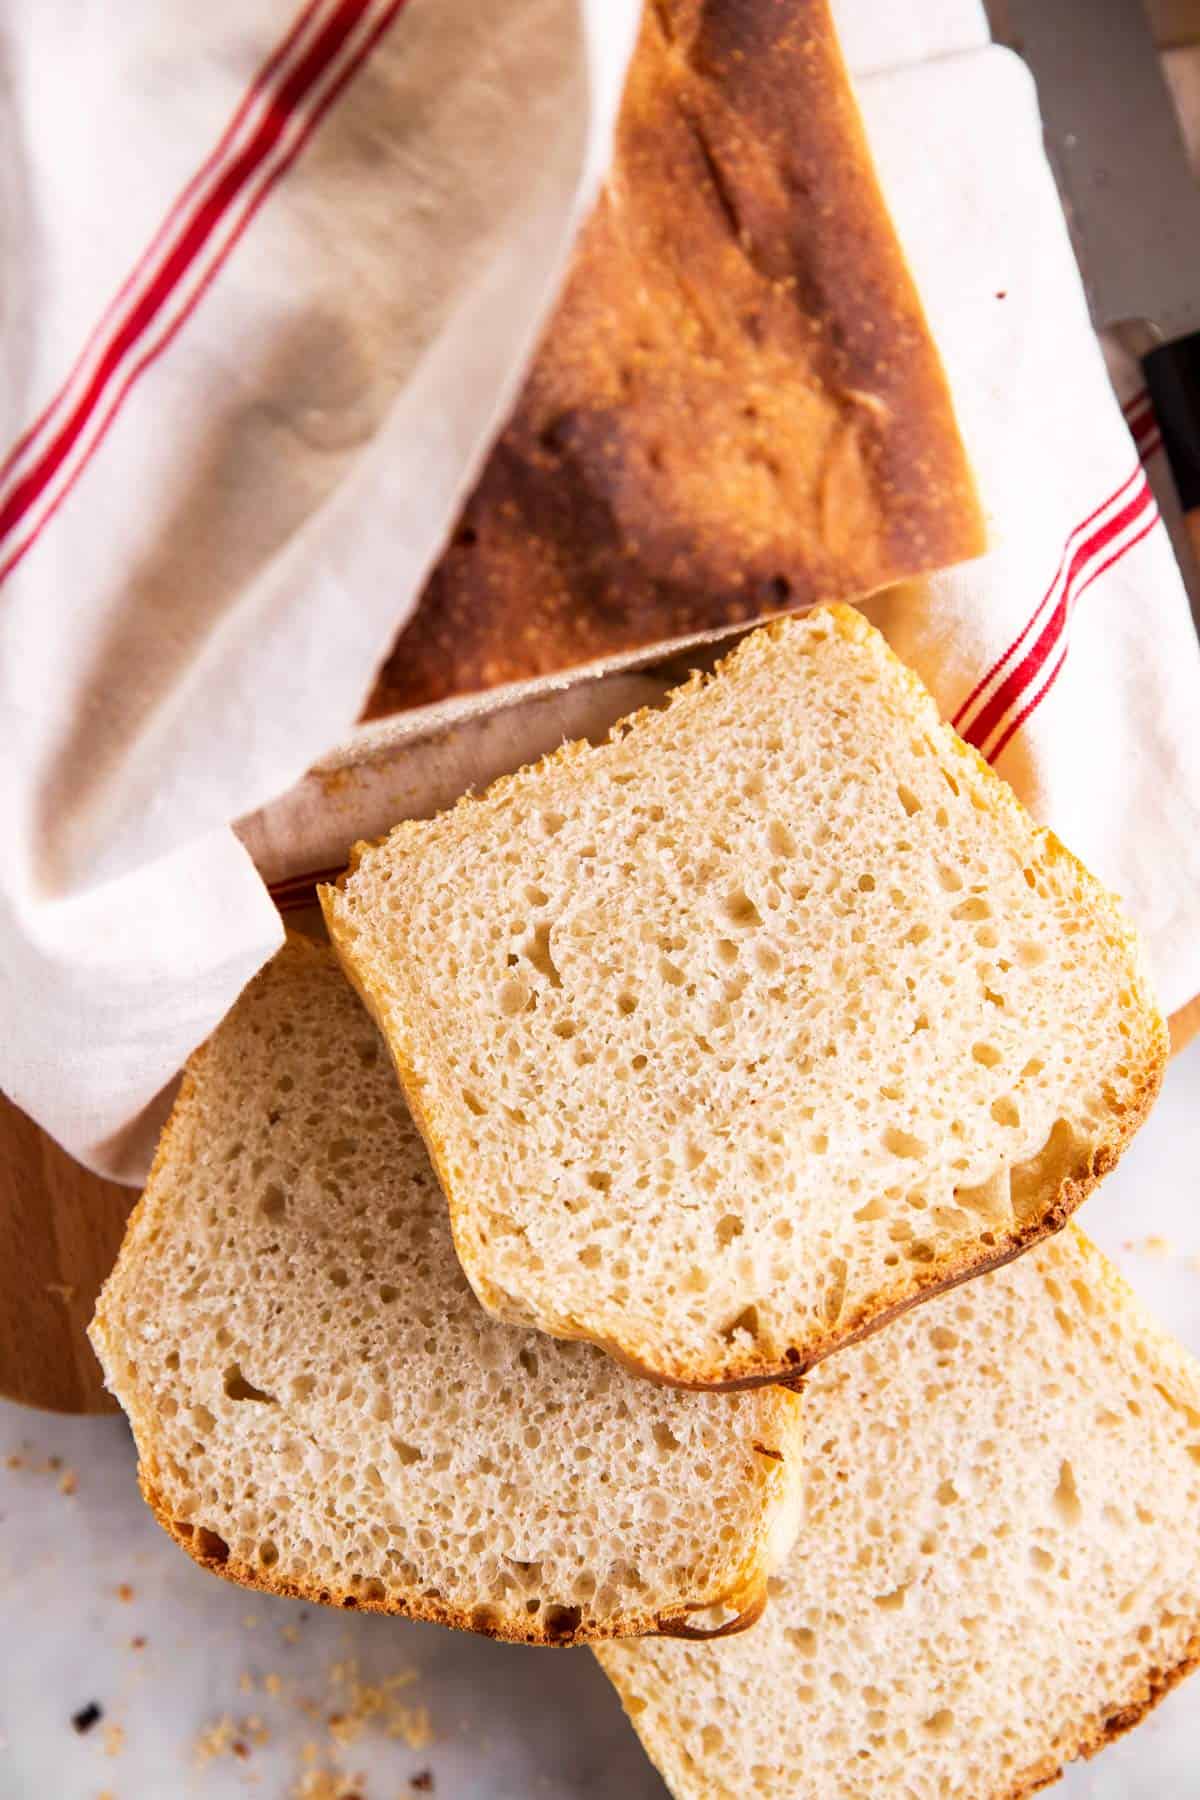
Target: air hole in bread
(835, 1292)
(972, 910)
(872, 1210)
(729, 1227)
(537, 949)
(780, 839)
(904, 1143)
(273, 1201)
(941, 1723)
(907, 799)
(238, 1388)
(407, 1454)
(745, 1321)
(740, 909)
(210, 1546)
(514, 997)
(1066, 1500)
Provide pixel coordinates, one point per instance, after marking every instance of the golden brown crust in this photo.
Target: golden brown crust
(210, 1551)
(736, 407)
(1110, 1723)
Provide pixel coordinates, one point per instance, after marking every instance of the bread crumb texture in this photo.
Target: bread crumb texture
(322, 1408)
(773, 1014)
(999, 1568)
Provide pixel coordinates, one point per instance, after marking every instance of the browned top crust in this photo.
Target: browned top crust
(736, 408)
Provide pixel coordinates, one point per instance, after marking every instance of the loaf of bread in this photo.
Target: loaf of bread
(322, 1409)
(736, 408)
(1000, 1563)
(774, 1014)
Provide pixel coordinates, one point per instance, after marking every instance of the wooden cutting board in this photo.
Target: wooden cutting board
(60, 1229)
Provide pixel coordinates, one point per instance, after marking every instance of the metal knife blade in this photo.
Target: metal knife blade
(1118, 156)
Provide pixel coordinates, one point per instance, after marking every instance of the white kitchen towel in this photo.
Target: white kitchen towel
(317, 270)
(271, 273)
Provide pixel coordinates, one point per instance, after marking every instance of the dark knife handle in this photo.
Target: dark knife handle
(1172, 374)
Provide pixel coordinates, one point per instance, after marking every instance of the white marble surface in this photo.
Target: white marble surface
(508, 1724)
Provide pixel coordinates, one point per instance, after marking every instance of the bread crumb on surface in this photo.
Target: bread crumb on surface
(22, 1458)
(368, 1701)
(114, 1739)
(213, 1741)
(62, 1290)
(229, 1737)
(329, 1784)
(124, 1593)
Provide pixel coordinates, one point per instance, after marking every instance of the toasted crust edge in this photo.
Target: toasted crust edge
(750, 1601)
(738, 1374)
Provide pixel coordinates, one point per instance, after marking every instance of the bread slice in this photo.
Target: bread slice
(322, 1409)
(772, 1015)
(1000, 1563)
